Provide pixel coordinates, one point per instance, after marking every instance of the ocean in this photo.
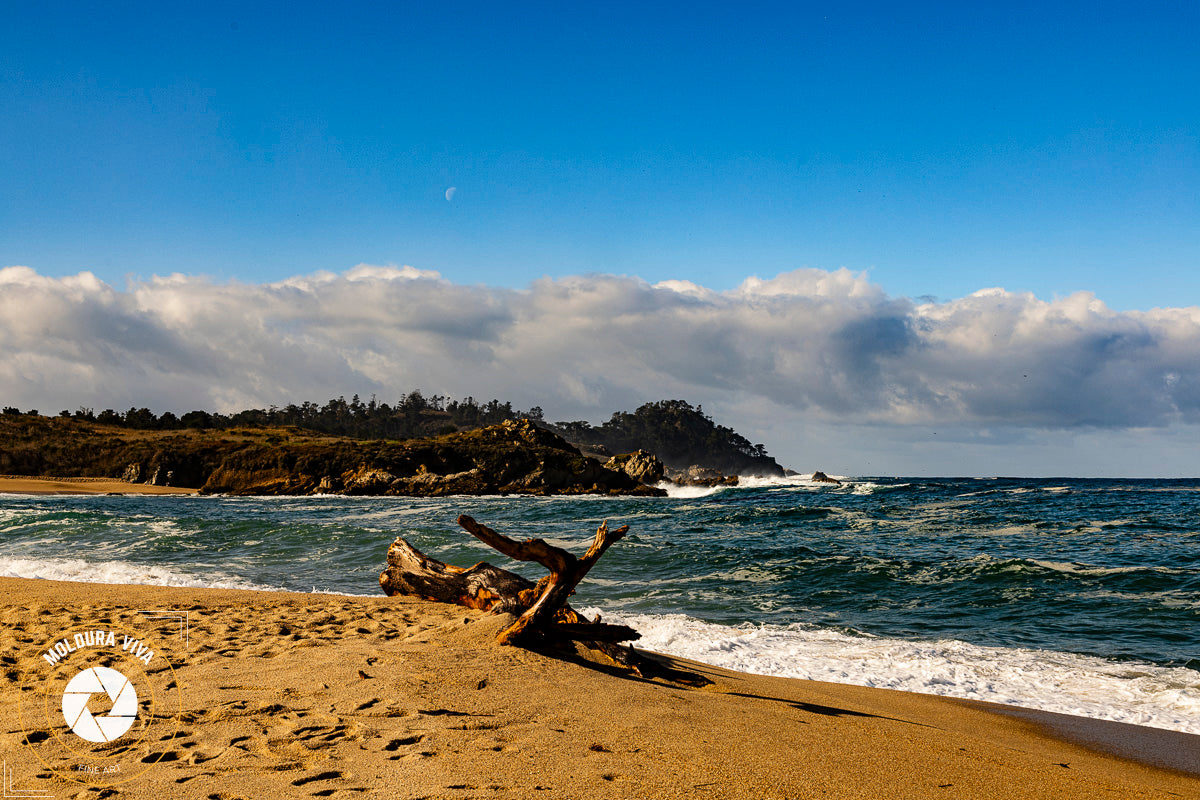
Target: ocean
(1068, 595)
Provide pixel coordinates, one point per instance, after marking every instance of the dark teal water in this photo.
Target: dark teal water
(1102, 569)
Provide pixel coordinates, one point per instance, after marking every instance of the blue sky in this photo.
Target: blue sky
(939, 149)
(944, 147)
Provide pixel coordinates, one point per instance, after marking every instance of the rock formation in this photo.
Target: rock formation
(365, 480)
(697, 475)
(641, 466)
(514, 457)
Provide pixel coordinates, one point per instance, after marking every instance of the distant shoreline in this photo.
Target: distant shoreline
(28, 484)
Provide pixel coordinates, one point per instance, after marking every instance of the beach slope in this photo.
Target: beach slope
(260, 694)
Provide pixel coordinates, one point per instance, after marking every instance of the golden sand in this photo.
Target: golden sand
(20, 484)
(263, 694)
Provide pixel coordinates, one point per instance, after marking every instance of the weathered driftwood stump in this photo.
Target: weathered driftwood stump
(544, 612)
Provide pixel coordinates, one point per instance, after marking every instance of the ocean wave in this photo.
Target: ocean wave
(677, 492)
(1075, 568)
(126, 573)
(985, 566)
(1086, 686)
(118, 572)
(786, 483)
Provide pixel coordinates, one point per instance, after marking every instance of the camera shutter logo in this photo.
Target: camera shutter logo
(105, 727)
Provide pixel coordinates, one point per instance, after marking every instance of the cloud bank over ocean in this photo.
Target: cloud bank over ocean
(830, 346)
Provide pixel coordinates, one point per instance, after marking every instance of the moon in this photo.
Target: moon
(450, 193)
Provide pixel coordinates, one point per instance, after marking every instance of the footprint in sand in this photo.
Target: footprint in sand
(399, 744)
(318, 737)
(329, 775)
(396, 744)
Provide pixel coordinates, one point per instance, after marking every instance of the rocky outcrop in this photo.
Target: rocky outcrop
(821, 477)
(249, 480)
(165, 468)
(161, 477)
(514, 457)
(365, 480)
(430, 484)
(641, 466)
(697, 475)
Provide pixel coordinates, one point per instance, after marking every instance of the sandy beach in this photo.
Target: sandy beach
(253, 694)
(22, 484)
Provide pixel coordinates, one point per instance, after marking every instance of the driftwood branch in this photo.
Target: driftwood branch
(552, 558)
(411, 572)
(566, 571)
(542, 606)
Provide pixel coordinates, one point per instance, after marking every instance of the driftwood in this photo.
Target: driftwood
(544, 612)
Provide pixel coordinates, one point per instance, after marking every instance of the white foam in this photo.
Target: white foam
(120, 572)
(1142, 694)
(1075, 568)
(793, 482)
(674, 490)
(768, 481)
(124, 572)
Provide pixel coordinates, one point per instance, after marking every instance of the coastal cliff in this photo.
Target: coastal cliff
(513, 457)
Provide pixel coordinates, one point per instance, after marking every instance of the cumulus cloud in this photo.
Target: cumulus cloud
(829, 344)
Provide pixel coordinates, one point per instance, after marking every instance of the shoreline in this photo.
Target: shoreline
(412, 697)
(28, 484)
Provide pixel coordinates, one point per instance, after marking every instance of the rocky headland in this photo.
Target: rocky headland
(513, 457)
(668, 442)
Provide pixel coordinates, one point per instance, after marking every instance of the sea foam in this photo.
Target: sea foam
(117, 572)
(792, 482)
(1137, 693)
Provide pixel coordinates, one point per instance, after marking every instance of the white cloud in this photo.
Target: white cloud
(830, 346)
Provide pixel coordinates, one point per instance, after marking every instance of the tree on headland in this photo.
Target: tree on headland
(414, 415)
(679, 434)
(110, 417)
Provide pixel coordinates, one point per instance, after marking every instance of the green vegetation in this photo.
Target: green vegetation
(415, 415)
